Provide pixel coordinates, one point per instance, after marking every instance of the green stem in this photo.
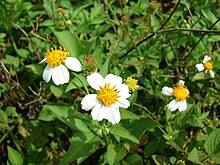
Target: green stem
(11, 134)
(38, 36)
(140, 106)
(121, 25)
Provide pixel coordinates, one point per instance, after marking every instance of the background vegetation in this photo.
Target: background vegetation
(157, 43)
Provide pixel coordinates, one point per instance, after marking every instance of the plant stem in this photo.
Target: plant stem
(201, 38)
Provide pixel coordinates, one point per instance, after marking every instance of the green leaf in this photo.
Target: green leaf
(76, 83)
(195, 121)
(134, 159)
(47, 6)
(83, 144)
(125, 114)
(4, 116)
(151, 147)
(212, 144)
(193, 156)
(138, 127)
(106, 67)
(56, 90)
(122, 132)
(46, 115)
(14, 156)
(23, 53)
(132, 99)
(68, 41)
(199, 76)
(210, 16)
(36, 68)
(111, 154)
(62, 112)
(216, 157)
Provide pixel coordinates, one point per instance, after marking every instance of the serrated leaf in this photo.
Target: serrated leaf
(68, 41)
(195, 121)
(212, 144)
(193, 156)
(14, 156)
(123, 132)
(83, 144)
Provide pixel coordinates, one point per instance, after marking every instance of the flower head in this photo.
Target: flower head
(207, 65)
(111, 95)
(131, 83)
(55, 68)
(180, 92)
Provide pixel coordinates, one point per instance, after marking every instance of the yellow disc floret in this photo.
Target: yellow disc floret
(107, 95)
(181, 93)
(208, 65)
(131, 83)
(56, 57)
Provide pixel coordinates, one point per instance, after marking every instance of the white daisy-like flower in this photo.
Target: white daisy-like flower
(55, 68)
(111, 95)
(207, 66)
(180, 92)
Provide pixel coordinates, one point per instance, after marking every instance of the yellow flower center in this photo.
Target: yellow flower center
(181, 93)
(56, 57)
(107, 95)
(208, 65)
(131, 83)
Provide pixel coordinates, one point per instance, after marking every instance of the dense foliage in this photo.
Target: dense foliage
(154, 43)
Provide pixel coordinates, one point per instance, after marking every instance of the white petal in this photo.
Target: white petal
(45, 59)
(123, 90)
(122, 102)
(206, 58)
(95, 80)
(113, 80)
(73, 64)
(182, 105)
(173, 105)
(181, 83)
(89, 101)
(60, 75)
(113, 115)
(212, 74)
(98, 112)
(47, 73)
(168, 91)
(200, 67)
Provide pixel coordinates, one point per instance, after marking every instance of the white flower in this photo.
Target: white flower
(180, 92)
(55, 68)
(206, 65)
(111, 95)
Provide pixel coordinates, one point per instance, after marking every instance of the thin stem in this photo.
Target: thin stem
(169, 30)
(106, 13)
(140, 106)
(201, 38)
(38, 36)
(121, 25)
(162, 26)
